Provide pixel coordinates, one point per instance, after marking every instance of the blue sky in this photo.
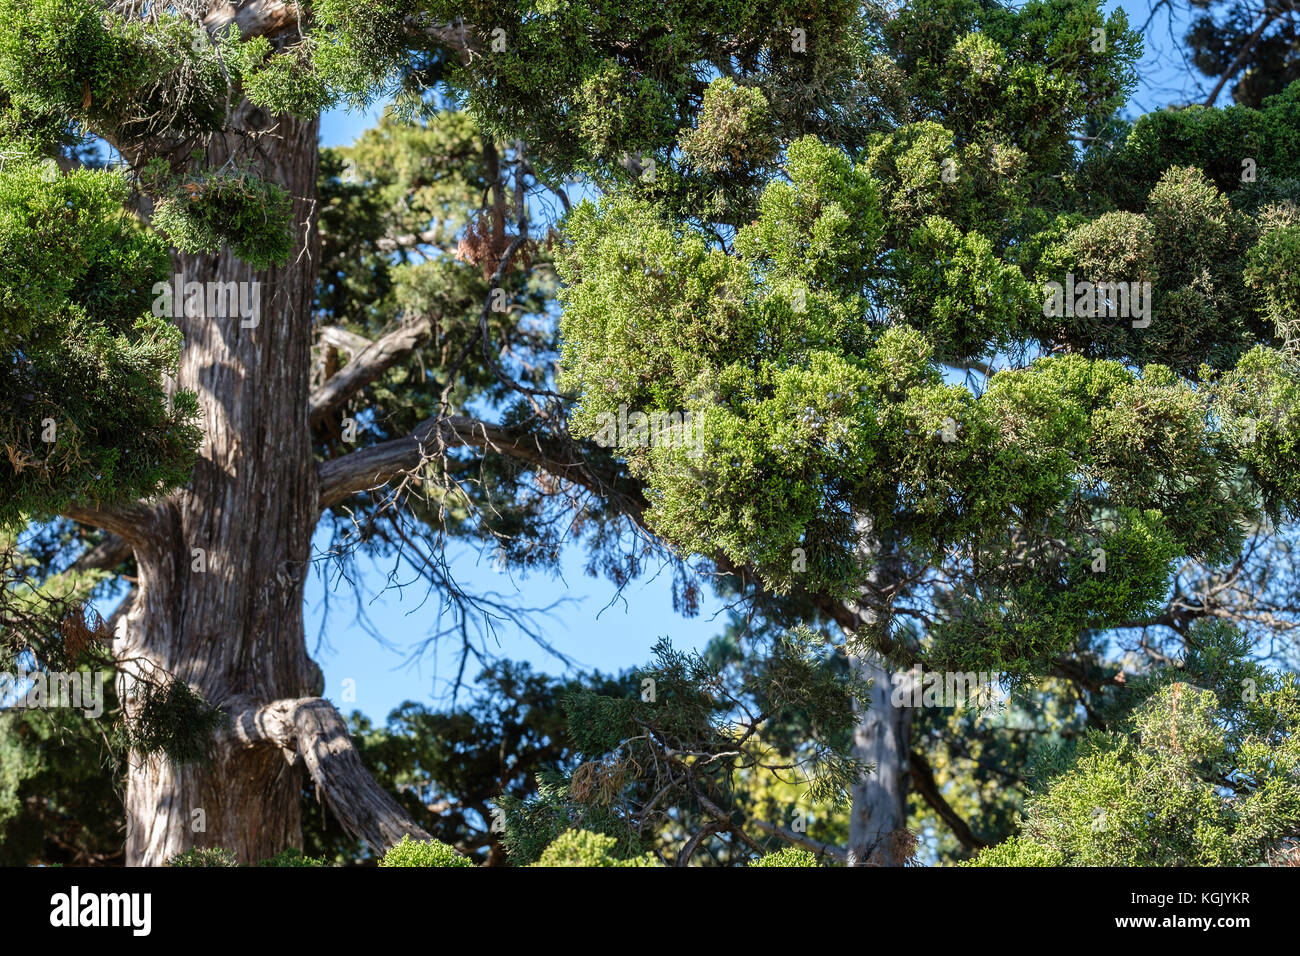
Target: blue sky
(592, 623)
(596, 626)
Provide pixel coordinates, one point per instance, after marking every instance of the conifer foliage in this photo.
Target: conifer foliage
(886, 321)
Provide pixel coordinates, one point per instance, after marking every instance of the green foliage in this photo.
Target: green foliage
(1032, 67)
(80, 351)
(71, 58)
(1197, 776)
(292, 856)
(685, 745)
(59, 790)
(1272, 275)
(423, 853)
(790, 856)
(808, 353)
(283, 83)
(496, 742)
(565, 80)
(171, 718)
(204, 856)
(1258, 404)
(1017, 851)
(956, 289)
(200, 211)
(734, 130)
(584, 848)
(840, 229)
(1215, 141)
(1189, 244)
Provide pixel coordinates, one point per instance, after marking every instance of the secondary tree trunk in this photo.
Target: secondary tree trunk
(882, 739)
(879, 808)
(234, 630)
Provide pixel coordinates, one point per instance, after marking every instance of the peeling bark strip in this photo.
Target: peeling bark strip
(312, 729)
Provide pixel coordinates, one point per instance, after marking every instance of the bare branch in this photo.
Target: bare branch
(343, 340)
(693, 844)
(1240, 58)
(366, 366)
(372, 467)
(923, 780)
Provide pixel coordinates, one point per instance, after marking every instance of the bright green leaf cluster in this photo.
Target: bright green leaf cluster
(423, 853)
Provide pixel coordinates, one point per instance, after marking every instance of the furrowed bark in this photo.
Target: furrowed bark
(221, 573)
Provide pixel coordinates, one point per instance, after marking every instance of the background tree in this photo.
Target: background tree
(1251, 48)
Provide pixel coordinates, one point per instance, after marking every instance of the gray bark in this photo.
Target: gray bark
(882, 739)
(878, 813)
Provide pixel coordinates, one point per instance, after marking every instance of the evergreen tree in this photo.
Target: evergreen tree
(821, 333)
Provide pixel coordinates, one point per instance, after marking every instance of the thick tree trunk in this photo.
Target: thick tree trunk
(234, 628)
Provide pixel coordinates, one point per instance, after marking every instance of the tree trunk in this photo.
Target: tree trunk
(222, 571)
(882, 739)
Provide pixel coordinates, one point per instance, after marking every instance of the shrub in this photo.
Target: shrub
(423, 853)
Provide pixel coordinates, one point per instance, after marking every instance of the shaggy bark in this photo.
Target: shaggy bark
(222, 563)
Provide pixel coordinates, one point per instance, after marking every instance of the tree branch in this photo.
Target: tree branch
(343, 340)
(312, 728)
(693, 844)
(366, 365)
(801, 839)
(923, 780)
(105, 556)
(1240, 58)
(253, 17)
(372, 467)
(135, 523)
